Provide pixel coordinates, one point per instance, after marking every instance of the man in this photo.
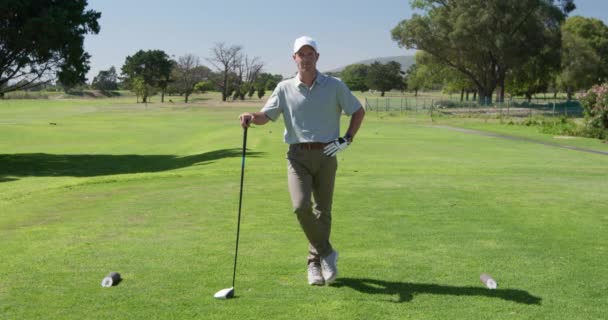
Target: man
(311, 104)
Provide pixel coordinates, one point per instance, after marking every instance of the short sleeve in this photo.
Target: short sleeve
(272, 109)
(348, 102)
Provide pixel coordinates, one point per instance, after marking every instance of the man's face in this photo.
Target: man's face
(306, 59)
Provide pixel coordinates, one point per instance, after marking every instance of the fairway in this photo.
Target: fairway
(151, 191)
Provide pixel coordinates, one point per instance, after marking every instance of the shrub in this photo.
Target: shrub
(560, 126)
(595, 104)
(25, 95)
(555, 126)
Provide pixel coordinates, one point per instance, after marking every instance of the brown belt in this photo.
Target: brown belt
(310, 145)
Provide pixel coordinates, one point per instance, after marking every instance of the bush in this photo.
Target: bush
(561, 126)
(556, 126)
(25, 95)
(595, 104)
(595, 132)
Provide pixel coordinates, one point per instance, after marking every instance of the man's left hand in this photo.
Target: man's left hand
(338, 145)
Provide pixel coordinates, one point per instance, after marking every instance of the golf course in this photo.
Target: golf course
(422, 208)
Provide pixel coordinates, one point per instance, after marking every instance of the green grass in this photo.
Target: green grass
(419, 213)
(515, 127)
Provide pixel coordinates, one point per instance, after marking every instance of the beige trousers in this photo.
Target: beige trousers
(311, 176)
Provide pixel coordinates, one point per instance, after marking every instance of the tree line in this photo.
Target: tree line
(484, 47)
(150, 72)
(378, 76)
(41, 42)
(493, 47)
(497, 46)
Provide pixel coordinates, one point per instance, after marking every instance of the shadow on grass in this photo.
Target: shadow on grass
(407, 290)
(14, 166)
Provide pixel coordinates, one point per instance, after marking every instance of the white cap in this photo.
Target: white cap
(304, 41)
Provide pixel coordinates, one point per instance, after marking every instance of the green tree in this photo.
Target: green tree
(414, 81)
(165, 80)
(251, 90)
(429, 73)
(140, 88)
(456, 82)
(354, 77)
(271, 84)
(384, 77)
(535, 76)
(268, 81)
(43, 39)
(584, 54)
(106, 80)
(483, 39)
(153, 66)
(595, 33)
(204, 86)
(261, 89)
(579, 64)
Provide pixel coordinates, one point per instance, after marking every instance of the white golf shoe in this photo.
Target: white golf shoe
(329, 267)
(315, 278)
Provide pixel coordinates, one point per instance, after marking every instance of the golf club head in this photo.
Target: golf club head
(111, 279)
(224, 293)
(488, 281)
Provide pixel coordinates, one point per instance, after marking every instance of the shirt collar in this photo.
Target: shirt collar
(320, 80)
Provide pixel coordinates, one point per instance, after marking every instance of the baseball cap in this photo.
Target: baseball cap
(304, 41)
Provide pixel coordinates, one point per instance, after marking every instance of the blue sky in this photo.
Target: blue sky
(347, 31)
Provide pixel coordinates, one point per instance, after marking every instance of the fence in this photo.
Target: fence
(441, 105)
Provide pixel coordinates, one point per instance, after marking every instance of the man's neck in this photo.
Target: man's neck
(308, 78)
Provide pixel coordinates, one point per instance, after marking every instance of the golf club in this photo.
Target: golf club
(229, 292)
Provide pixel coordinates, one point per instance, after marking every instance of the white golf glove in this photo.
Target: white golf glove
(338, 145)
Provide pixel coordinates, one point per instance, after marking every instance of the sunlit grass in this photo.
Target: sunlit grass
(419, 213)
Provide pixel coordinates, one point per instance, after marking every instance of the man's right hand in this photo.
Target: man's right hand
(246, 119)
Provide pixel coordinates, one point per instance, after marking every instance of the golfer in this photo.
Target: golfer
(311, 104)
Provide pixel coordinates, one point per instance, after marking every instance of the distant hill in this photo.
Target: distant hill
(405, 61)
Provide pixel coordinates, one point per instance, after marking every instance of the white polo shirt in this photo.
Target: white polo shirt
(311, 114)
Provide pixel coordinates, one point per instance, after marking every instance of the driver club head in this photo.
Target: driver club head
(224, 293)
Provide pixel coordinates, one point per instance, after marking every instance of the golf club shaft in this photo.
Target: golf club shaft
(238, 224)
